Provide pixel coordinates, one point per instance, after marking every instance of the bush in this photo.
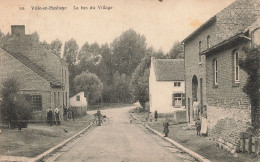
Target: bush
(14, 107)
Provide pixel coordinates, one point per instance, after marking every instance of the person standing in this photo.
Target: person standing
(166, 128)
(49, 116)
(99, 117)
(57, 115)
(155, 115)
(198, 126)
(204, 123)
(196, 107)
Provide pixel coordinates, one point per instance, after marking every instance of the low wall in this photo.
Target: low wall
(226, 124)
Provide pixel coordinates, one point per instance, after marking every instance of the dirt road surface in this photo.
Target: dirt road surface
(121, 141)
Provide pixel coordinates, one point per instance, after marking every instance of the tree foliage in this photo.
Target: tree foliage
(128, 49)
(90, 84)
(71, 51)
(55, 47)
(251, 66)
(176, 52)
(14, 107)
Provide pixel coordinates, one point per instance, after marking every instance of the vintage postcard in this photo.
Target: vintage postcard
(129, 80)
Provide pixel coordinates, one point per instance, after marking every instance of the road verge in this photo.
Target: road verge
(50, 151)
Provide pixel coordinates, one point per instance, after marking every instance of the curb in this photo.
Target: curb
(191, 153)
(48, 152)
(188, 151)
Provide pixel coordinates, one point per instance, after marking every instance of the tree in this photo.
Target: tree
(35, 36)
(71, 51)
(55, 47)
(14, 107)
(251, 66)
(90, 84)
(140, 81)
(176, 52)
(127, 50)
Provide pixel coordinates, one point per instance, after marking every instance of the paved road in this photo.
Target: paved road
(121, 141)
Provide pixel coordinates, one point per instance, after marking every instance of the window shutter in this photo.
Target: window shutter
(173, 100)
(183, 100)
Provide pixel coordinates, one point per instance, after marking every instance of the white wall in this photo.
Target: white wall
(161, 94)
(82, 103)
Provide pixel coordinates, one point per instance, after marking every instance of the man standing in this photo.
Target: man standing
(99, 117)
(57, 115)
(155, 115)
(49, 116)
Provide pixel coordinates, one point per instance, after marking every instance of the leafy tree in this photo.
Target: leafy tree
(71, 51)
(14, 107)
(251, 66)
(1, 35)
(176, 52)
(90, 84)
(128, 49)
(121, 87)
(55, 47)
(140, 81)
(36, 36)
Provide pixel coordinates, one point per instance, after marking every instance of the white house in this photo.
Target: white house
(166, 85)
(79, 100)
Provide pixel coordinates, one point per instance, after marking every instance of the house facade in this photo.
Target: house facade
(212, 72)
(79, 100)
(166, 85)
(39, 72)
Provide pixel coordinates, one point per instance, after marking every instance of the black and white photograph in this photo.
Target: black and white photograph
(129, 80)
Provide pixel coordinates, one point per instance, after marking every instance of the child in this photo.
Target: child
(198, 126)
(166, 128)
(155, 115)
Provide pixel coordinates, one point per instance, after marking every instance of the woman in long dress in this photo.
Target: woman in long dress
(204, 123)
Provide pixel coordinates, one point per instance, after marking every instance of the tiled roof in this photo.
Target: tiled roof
(34, 68)
(231, 21)
(169, 69)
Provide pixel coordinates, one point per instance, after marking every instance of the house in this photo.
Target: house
(212, 73)
(166, 85)
(79, 100)
(39, 72)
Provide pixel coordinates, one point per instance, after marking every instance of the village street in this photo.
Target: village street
(121, 141)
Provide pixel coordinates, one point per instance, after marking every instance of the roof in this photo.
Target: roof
(34, 68)
(200, 29)
(169, 69)
(229, 22)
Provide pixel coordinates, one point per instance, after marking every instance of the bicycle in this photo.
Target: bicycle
(103, 118)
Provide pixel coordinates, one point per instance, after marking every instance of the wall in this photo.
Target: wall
(228, 106)
(81, 103)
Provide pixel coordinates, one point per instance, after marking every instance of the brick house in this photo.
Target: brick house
(166, 85)
(39, 72)
(212, 73)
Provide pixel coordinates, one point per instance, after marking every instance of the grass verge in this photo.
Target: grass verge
(38, 138)
(201, 145)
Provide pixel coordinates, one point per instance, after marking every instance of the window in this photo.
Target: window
(78, 98)
(200, 51)
(215, 71)
(177, 84)
(66, 97)
(178, 100)
(208, 41)
(36, 102)
(54, 96)
(62, 75)
(236, 67)
(59, 98)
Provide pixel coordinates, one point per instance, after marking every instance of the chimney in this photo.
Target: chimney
(18, 30)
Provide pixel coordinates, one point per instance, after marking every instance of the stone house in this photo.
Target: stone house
(212, 73)
(166, 85)
(39, 72)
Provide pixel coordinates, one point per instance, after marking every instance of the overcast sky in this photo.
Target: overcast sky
(162, 23)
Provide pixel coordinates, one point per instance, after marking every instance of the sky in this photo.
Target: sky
(162, 23)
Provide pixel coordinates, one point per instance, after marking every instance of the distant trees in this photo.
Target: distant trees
(55, 47)
(90, 84)
(71, 51)
(176, 52)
